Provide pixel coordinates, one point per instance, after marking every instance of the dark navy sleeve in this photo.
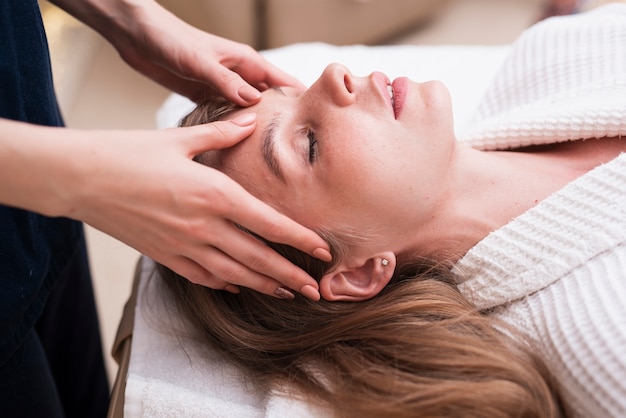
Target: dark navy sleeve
(33, 248)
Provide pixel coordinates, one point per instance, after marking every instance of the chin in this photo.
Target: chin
(436, 97)
(436, 90)
(430, 96)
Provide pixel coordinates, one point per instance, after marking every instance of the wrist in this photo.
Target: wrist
(41, 168)
(116, 20)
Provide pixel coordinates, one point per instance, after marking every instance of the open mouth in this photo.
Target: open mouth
(391, 95)
(394, 91)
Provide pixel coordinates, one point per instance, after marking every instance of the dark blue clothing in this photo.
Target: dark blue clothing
(40, 317)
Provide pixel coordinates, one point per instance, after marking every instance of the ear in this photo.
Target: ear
(359, 280)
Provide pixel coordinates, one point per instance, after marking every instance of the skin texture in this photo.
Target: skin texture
(343, 159)
(360, 150)
(175, 211)
(392, 183)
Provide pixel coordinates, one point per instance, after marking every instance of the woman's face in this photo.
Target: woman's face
(346, 156)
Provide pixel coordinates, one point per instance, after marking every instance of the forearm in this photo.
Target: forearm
(39, 166)
(143, 188)
(177, 55)
(118, 21)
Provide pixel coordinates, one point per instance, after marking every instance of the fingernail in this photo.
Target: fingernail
(232, 289)
(245, 119)
(283, 293)
(310, 292)
(249, 93)
(322, 254)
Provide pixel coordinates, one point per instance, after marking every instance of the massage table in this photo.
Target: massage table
(162, 373)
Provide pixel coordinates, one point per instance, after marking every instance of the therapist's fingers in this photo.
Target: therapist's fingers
(276, 77)
(240, 76)
(245, 209)
(258, 261)
(239, 80)
(234, 205)
(263, 74)
(215, 135)
(210, 266)
(253, 262)
(240, 206)
(227, 267)
(265, 221)
(233, 87)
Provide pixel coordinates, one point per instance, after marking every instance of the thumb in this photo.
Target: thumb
(217, 135)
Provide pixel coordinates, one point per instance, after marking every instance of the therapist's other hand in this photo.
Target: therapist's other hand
(197, 64)
(181, 57)
(142, 188)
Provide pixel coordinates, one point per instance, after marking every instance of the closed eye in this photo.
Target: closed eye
(312, 146)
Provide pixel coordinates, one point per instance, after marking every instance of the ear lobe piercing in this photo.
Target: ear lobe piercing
(384, 262)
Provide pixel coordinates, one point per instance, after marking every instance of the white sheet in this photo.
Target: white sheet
(171, 375)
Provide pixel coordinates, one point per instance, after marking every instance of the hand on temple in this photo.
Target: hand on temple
(142, 188)
(183, 214)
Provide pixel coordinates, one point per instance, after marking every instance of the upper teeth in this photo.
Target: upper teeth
(390, 91)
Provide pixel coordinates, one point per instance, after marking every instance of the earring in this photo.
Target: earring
(384, 262)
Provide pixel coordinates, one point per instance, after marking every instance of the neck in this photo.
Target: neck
(489, 189)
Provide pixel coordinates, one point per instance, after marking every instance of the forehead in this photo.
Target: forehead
(277, 106)
(246, 162)
(272, 100)
(243, 161)
(275, 102)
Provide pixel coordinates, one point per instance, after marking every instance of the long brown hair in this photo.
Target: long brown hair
(419, 348)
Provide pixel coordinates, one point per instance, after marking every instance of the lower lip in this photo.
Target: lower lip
(400, 90)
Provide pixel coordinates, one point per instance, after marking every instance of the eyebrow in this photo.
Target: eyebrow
(267, 148)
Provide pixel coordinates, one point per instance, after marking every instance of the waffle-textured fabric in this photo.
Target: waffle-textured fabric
(558, 271)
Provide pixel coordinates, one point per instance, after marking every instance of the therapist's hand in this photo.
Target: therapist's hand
(143, 189)
(182, 213)
(197, 64)
(177, 55)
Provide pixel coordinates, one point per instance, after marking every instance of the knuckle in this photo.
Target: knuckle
(257, 261)
(247, 49)
(205, 279)
(244, 52)
(219, 128)
(275, 231)
(230, 275)
(216, 199)
(228, 77)
(194, 275)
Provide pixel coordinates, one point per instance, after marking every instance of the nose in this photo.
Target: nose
(337, 82)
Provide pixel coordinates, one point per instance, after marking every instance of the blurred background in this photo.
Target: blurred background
(97, 90)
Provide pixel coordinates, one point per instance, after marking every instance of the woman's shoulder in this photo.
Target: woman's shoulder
(578, 325)
(562, 233)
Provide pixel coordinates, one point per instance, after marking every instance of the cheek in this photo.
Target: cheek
(379, 177)
(362, 159)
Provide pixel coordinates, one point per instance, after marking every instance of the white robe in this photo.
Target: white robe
(558, 271)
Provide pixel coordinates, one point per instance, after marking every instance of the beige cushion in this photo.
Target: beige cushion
(272, 23)
(343, 22)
